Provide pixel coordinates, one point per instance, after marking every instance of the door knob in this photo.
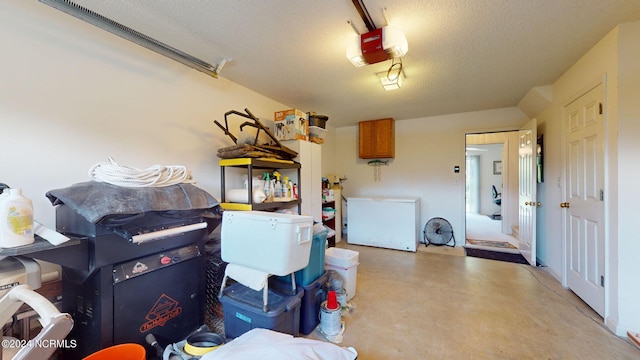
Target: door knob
(564, 205)
(538, 203)
(526, 203)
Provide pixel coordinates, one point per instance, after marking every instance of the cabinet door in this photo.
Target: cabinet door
(365, 146)
(377, 139)
(384, 138)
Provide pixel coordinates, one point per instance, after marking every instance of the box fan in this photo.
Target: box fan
(438, 231)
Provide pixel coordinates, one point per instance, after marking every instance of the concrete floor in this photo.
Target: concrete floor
(438, 304)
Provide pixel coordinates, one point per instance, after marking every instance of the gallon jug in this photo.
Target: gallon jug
(16, 219)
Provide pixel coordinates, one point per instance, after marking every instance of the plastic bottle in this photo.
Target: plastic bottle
(267, 186)
(272, 189)
(16, 219)
(285, 188)
(277, 186)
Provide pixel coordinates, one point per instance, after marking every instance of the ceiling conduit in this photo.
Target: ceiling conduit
(132, 35)
(364, 14)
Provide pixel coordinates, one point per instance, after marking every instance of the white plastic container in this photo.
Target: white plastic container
(345, 263)
(278, 244)
(317, 134)
(16, 219)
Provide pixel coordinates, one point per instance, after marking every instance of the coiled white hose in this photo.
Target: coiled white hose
(156, 176)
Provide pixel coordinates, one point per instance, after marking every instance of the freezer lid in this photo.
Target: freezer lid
(411, 199)
(255, 215)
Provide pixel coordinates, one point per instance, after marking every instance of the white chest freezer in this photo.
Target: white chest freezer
(388, 222)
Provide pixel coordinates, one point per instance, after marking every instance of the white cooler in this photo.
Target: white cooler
(278, 244)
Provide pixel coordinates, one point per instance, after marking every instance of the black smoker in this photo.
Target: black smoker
(132, 276)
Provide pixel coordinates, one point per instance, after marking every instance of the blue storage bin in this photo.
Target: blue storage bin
(242, 309)
(315, 268)
(314, 294)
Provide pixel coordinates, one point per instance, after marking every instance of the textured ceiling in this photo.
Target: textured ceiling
(464, 55)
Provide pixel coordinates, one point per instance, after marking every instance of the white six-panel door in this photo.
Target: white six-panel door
(527, 203)
(584, 204)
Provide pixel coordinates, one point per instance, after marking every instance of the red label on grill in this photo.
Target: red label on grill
(162, 311)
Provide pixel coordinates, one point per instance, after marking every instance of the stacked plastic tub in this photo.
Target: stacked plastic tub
(257, 245)
(312, 279)
(242, 308)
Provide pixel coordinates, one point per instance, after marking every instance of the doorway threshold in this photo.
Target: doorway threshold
(502, 246)
(493, 253)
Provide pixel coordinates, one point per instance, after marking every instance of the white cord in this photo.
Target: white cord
(155, 176)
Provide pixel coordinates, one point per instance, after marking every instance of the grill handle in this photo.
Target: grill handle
(157, 235)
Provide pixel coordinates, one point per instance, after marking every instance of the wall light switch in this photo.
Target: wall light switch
(456, 169)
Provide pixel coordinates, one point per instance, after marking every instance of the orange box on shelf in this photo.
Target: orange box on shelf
(291, 124)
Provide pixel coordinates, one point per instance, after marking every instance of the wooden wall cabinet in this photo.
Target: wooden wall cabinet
(376, 139)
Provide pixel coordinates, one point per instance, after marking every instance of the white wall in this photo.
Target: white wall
(329, 152)
(628, 173)
(615, 59)
(73, 95)
(427, 149)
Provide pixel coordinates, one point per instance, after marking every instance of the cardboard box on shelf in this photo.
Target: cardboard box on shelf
(291, 124)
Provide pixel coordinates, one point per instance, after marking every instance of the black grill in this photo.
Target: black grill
(118, 291)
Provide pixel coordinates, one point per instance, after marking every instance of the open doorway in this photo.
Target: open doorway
(489, 188)
(484, 180)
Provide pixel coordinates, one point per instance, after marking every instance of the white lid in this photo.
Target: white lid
(265, 215)
(381, 198)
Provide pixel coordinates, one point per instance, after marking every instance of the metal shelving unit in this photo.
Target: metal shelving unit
(258, 164)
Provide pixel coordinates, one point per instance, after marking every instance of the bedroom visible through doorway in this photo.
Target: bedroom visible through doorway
(485, 198)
